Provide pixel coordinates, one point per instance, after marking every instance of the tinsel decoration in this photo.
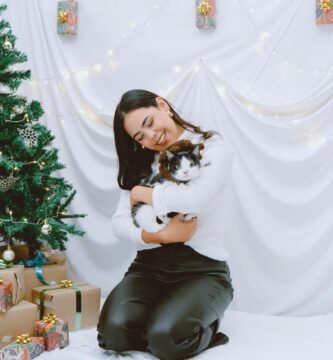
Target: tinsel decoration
(8, 183)
(29, 136)
(204, 8)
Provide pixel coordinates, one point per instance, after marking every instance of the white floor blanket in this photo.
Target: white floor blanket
(252, 337)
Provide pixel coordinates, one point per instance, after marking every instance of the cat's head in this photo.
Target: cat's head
(181, 161)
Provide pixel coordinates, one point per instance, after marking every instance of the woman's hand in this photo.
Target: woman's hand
(141, 194)
(177, 230)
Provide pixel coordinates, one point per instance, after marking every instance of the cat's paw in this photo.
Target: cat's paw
(154, 228)
(188, 217)
(165, 219)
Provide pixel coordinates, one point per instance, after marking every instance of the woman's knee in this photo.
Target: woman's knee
(172, 341)
(112, 334)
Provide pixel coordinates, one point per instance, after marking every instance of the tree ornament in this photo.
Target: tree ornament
(46, 228)
(7, 45)
(8, 183)
(8, 255)
(29, 136)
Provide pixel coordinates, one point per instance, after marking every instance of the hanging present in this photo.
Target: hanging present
(324, 12)
(205, 14)
(54, 331)
(67, 17)
(6, 289)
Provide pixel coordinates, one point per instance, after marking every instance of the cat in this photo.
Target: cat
(179, 163)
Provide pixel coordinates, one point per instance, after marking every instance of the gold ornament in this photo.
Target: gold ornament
(23, 339)
(1, 281)
(50, 318)
(204, 8)
(326, 5)
(62, 16)
(7, 45)
(66, 283)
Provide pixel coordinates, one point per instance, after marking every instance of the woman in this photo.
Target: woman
(176, 290)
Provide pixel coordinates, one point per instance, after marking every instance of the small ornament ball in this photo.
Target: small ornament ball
(7, 45)
(8, 255)
(46, 229)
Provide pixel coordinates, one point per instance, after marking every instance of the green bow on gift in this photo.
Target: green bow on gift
(4, 265)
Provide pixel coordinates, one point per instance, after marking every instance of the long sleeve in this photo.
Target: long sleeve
(122, 223)
(194, 196)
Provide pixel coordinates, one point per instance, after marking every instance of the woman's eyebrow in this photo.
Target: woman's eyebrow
(142, 126)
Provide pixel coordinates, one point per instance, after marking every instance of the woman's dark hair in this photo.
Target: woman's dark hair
(134, 161)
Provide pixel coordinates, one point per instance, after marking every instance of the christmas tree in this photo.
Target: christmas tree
(33, 201)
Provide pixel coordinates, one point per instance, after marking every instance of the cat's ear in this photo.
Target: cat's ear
(196, 150)
(169, 154)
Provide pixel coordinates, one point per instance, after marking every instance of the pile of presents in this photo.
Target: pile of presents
(35, 317)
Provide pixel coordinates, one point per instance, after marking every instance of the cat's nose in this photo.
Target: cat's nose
(185, 172)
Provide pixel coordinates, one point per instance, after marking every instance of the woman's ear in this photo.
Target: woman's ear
(162, 104)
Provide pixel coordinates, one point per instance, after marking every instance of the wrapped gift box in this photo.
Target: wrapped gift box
(324, 12)
(50, 273)
(17, 320)
(15, 275)
(79, 304)
(6, 300)
(67, 16)
(30, 348)
(205, 14)
(11, 354)
(54, 331)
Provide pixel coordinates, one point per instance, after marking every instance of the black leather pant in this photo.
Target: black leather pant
(169, 303)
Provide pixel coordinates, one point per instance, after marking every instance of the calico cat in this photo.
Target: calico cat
(179, 163)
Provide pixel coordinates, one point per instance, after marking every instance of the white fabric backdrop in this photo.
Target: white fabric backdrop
(263, 78)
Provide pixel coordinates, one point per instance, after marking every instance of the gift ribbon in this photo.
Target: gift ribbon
(37, 262)
(23, 339)
(65, 284)
(4, 265)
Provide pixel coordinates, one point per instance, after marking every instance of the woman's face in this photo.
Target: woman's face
(152, 127)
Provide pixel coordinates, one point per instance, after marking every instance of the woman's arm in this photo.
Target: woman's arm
(122, 223)
(194, 196)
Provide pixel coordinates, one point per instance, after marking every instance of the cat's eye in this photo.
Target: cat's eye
(192, 164)
(177, 166)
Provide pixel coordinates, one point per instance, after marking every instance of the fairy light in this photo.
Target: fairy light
(177, 68)
(97, 67)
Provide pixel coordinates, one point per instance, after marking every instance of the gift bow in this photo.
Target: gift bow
(66, 283)
(23, 339)
(326, 5)
(204, 8)
(50, 318)
(62, 16)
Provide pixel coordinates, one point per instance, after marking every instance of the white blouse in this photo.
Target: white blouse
(205, 196)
